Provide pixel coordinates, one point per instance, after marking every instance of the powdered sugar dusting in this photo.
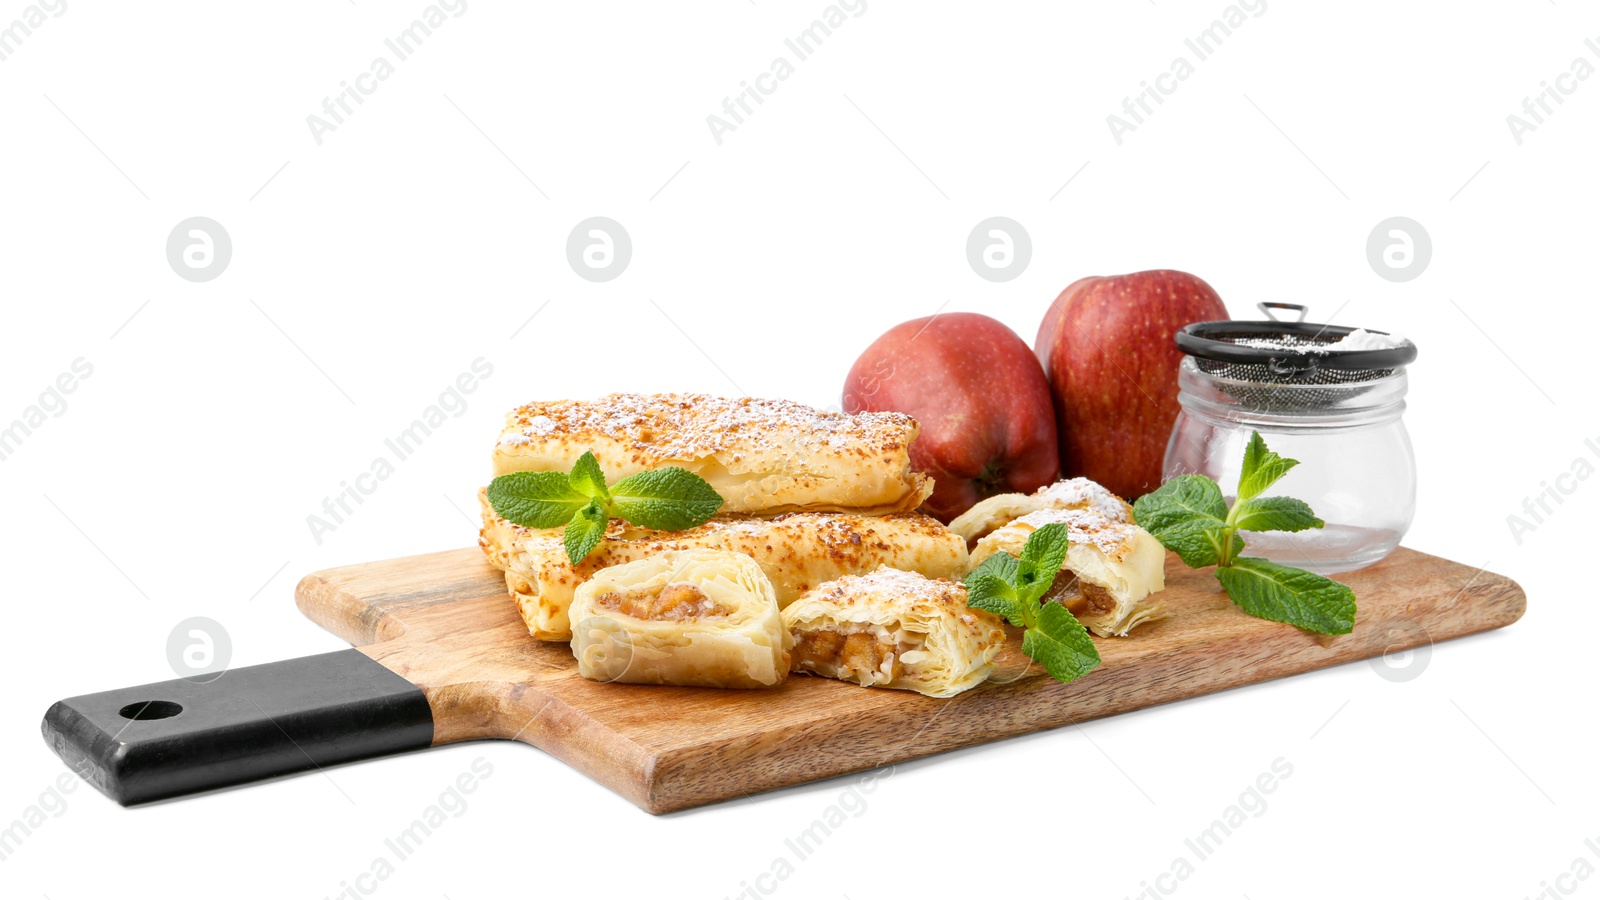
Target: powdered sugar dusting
(910, 584)
(1367, 340)
(1081, 493)
(1086, 526)
(1360, 339)
(668, 427)
(908, 587)
(1261, 343)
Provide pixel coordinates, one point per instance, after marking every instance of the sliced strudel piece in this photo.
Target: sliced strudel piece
(706, 618)
(1111, 571)
(895, 629)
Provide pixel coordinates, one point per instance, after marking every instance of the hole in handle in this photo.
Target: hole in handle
(150, 709)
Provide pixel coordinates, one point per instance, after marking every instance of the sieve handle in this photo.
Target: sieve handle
(1268, 306)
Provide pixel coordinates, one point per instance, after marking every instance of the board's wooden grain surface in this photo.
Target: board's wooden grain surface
(445, 622)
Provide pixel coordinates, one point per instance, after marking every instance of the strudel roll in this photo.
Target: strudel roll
(797, 551)
(762, 456)
(895, 629)
(1111, 570)
(706, 618)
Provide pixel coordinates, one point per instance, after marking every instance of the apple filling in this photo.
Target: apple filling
(1081, 598)
(866, 654)
(675, 602)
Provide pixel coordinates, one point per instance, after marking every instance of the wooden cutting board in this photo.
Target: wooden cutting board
(445, 623)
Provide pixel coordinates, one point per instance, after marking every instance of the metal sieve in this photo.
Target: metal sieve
(1278, 366)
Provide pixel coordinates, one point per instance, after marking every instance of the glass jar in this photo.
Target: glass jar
(1357, 470)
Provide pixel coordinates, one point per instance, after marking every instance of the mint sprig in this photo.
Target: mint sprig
(1189, 517)
(1012, 587)
(669, 499)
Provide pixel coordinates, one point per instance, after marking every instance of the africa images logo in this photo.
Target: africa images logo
(737, 108)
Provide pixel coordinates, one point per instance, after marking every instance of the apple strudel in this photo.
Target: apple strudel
(762, 456)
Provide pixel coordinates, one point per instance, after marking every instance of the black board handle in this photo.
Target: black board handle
(185, 736)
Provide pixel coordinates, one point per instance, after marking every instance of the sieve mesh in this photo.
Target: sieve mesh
(1277, 366)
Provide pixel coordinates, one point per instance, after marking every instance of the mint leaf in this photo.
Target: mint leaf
(535, 499)
(1061, 644)
(991, 593)
(670, 499)
(1303, 599)
(586, 477)
(1275, 514)
(992, 587)
(1002, 565)
(1183, 497)
(584, 533)
(1262, 468)
(1188, 516)
(1042, 557)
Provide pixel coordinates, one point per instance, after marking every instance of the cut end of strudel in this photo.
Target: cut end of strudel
(1111, 570)
(895, 629)
(762, 456)
(704, 618)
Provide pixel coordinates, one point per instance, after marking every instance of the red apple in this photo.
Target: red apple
(980, 396)
(1107, 347)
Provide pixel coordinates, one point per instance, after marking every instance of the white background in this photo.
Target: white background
(423, 232)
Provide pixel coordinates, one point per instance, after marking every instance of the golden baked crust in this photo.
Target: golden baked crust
(895, 629)
(797, 551)
(762, 456)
